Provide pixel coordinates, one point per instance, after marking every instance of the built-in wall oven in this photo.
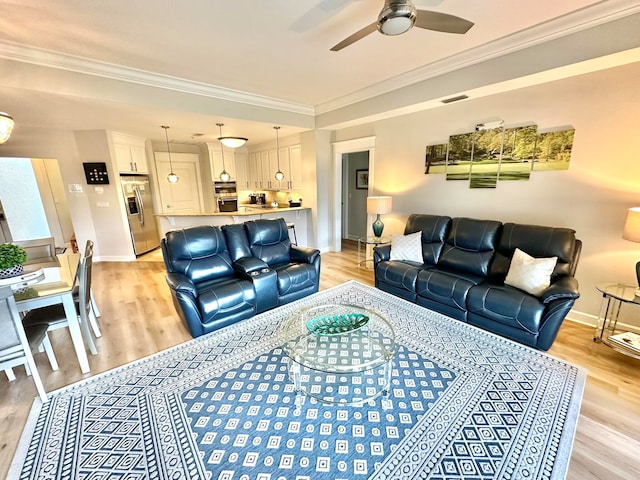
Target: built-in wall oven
(226, 196)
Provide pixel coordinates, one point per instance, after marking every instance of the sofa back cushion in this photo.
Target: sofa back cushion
(434, 230)
(200, 253)
(269, 240)
(539, 242)
(470, 245)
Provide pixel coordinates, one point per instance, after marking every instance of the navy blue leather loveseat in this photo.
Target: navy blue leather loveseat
(221, 275)
(462, 275)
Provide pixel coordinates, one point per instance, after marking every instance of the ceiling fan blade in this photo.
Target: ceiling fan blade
(360, 34)
(442, 22)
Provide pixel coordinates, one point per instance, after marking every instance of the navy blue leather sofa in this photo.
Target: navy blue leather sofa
(465, 262)
(221, 275)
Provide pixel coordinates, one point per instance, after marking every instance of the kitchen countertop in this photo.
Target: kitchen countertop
(249, 209)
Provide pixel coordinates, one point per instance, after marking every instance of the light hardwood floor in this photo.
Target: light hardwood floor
(138, 319)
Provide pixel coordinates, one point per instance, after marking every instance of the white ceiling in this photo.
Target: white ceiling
(251, 52)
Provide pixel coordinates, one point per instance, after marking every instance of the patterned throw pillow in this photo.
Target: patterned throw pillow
(533, 275)
(407, 247)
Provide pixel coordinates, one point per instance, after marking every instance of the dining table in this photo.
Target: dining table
(51, 283)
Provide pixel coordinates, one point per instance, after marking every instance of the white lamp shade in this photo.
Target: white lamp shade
(379, 205)
(632, 225)
(6, 126)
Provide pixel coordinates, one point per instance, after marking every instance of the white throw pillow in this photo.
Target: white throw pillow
(533, 275)
(407, 247)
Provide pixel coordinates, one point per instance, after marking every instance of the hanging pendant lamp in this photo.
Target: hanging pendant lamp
(6, 126)
(172, 177)
(224, 175)
(279, 175)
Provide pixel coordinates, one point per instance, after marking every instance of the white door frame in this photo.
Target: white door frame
(339, 148)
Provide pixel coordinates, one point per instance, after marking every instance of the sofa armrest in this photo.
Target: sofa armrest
(381, 253)
(304, 254)
(244, 266)
(181, 283)
(564, 288)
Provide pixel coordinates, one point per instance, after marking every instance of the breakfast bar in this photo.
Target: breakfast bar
(299, 216)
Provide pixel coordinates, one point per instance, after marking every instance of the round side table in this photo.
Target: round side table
(375, 241)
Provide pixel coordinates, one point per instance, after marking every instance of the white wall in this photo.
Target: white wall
(591, 197)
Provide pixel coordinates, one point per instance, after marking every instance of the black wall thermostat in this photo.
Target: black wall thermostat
(96, 173)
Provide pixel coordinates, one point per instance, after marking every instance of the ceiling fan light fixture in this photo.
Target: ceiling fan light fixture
(6, 126)
(233, 142)
(396, 18)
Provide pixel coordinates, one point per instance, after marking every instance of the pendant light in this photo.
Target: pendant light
(172, 177)
(6, 126)
(279, 175)
(224, 176)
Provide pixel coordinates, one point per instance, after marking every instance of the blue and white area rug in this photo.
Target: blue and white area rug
(463, 404)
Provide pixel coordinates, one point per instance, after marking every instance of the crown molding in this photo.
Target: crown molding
(52, 59)
(568, 24)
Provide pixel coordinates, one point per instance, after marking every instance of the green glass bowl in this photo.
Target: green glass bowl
(337, 324)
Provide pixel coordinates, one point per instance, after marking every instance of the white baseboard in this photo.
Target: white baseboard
(592, 321)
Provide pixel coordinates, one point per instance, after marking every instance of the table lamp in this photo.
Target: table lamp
(631, 232)
(378, 206)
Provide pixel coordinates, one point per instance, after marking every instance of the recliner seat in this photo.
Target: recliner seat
(221, 275)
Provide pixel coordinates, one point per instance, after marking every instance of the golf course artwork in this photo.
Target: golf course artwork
(492, 153)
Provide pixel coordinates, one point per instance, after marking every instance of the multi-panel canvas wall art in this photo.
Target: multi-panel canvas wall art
(493, 154)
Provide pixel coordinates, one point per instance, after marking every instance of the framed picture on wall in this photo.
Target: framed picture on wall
(362, 179)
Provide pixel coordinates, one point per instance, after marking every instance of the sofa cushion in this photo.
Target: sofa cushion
(505, 305)
(294, 277)
(398, 278)
(537, 241)
(226, 298)
(434, 229)
(269, 240)
(470, 246)
(407, 247)
(446, 287)
(533, 275)
(200, 253)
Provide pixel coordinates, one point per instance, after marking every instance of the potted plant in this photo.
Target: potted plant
(12, 258)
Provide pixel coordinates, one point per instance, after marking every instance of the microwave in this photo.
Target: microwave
(227, 204)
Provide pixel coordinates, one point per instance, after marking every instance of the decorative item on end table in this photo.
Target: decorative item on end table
(631, 232)
(12, 259)
(378, 206)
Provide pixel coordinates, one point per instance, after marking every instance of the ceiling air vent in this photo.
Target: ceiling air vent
(454, 99)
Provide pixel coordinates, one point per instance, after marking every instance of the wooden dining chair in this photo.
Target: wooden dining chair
(54, 317)
(16, 342)
(39, 250)
(94, 312)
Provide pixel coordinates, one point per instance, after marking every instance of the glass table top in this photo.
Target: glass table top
(359, 339)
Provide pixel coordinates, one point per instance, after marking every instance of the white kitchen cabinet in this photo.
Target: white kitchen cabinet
(130, 153)
(295, 168)
(263, 165)
(242, 170)
(255, 171)
(216, 163)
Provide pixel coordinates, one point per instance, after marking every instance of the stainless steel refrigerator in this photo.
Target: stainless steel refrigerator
(142, 223)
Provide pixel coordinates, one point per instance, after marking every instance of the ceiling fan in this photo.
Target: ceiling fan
(398, 16)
